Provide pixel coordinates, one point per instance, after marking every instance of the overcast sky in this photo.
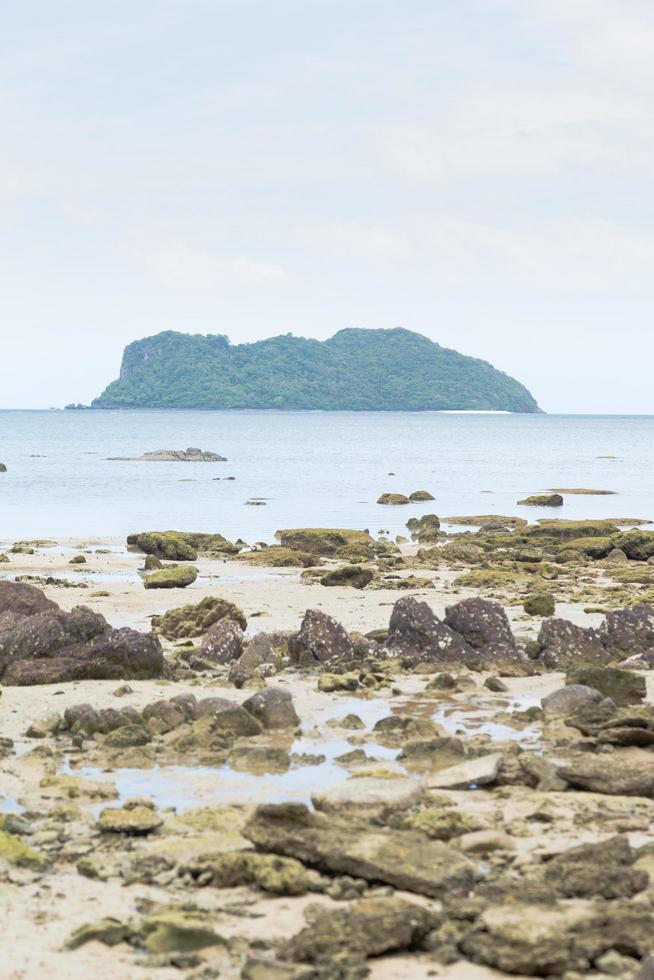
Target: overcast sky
(477, 170)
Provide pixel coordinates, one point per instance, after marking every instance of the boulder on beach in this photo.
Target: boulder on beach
(319, 639)
(42, 644)
(173, 577)
(328, 542)
(196, 618)
(355, 576)
(417, 634)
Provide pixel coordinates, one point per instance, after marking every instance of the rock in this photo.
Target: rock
(263, 656)
(353, 575)
(108, 931)
(164, 716)
(278, 557)
(417, 634)
(269, 872)
(568, 700)
(196, 618)
(173, 577)
(259, 759)
(328, 683)
(495, 685)
(52, 646)
(368, 797)
(136, 820)
(616, 774)
(622, 686)
(77, 560)
(443, 824)
(397, 729)
(400, 858)
(22, 600)
(641, 661)
(328, 542)
(420, 495)
(366, 928)
(637, 545)
(273, 707)
(13, 851)
(393, 498)
(562, 644)
(190, 455)
(540, 604)
(319, 640)
(485, 627)
(152, 563)
(546, 500)
(233, 720)
(163, 544)
(3, 467)
(469, 774)
(485, 842)
(177, 931)
(433, 753)
(222, 643)
(603, 869)
(626, 632)
(537, 940)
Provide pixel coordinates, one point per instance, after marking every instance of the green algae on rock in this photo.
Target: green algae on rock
(196, 618)
(547, 500)
(329, 542)
(173, 577)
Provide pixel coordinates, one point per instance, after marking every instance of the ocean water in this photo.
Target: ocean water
(323, 469)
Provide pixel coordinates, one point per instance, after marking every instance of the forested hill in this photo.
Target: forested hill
(378, 370)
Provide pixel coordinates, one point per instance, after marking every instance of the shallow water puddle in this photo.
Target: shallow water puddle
(474, 721)
(185, 787)
(9, 805)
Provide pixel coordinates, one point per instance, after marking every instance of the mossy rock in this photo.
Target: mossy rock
(479, 520)
(208, 543)
(175, 577)
(14, 851)
(196, 618)
(3, 467)
(348, 575)
(278, 557)
(634, 576)
(637, 545)
(569, 530)
(77, 560)
(3, 558)
(540, 604)
(394, 499)
(490, 578)
(163, 544)
(108, 931)
(622, 686)
(132, 820)
(442, 824)
(269, 872)
(127, 736)
(328, 683)
(419, 495)
(593, 547)
(178, 932)
(325, 541)
(544, 500)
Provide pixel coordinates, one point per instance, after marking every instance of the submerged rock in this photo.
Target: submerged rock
(190, 455)
(393, 498)
(545, 500)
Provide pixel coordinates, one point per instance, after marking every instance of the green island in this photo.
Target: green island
(355, 370)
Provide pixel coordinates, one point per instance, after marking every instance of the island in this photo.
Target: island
(355, 370)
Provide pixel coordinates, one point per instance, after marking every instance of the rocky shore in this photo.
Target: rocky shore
(332, 758)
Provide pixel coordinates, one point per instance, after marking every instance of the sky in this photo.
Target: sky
(479, 171)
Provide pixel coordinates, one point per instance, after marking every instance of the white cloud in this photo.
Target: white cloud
(184, 267)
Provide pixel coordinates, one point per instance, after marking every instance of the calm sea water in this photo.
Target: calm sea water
(313, 468)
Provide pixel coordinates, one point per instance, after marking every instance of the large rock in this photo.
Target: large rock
(484, 626)
(568, 700)
(626, 632)
(319, 640)
(417, 634)
(469, 774)
(618, 774)
(369, 797)
(23, 600)
(403, 859)
(273, 707)
(172, 577)
(367, 928)
(263, 656)
(563, 644)
(222, 643)
(336, 542)
(622, 686)
(163, 544)
(48, 645)
(604, 869)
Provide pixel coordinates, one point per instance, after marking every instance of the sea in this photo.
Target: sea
(309, 469)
